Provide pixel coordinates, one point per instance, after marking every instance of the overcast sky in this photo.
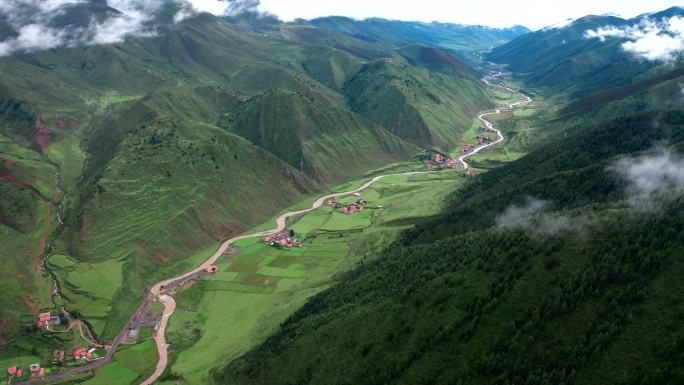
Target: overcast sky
(533, 14)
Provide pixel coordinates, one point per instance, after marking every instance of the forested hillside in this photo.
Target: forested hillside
(558, 268)
(141, 152)
(585, 56)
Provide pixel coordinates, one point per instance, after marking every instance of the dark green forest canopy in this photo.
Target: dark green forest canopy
(462, 301)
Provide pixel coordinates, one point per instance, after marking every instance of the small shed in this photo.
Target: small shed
(211, 269)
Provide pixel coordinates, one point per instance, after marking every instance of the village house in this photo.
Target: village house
(469, 173)
(483, 139)
(333, 204)
(352, 208)
(58, 356)
(82, 353)
(12, 371)
(44, 320)
(283, 239)
(211, 269)
(439, 162)
(467, 149)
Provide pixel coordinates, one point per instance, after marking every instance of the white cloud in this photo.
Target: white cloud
(534, 14)
(650, 175)
(516, 214)
(131, 22)
(216, 7)
(31, 21)
(530, 217)
(652, 40)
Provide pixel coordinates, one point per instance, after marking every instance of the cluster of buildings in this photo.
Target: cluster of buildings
(48, 321)
(481, 139)
(440, 162)
(34, 369)
(58, 357)
(84, 354)
(467, 149)
(348, 209)
(283, 239)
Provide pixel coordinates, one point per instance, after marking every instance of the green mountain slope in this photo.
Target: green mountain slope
(564, 61)
(151, 150)
(584, 293)
(317, 138)
(415, 103)
(465, 40)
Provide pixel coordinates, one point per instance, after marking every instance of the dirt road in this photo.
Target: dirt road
(160, 291)
(488, 124)
(170, 305)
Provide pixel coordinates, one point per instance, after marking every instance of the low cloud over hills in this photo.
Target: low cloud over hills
(655, 40)
(34, 25)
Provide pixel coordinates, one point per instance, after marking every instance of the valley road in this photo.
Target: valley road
(161, 291)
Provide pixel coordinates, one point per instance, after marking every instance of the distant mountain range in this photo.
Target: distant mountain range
(177, 125)
(465, 40)
(558, 268)
(566, 61)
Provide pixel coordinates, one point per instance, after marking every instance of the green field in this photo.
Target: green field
(224, 315)
(130, 363)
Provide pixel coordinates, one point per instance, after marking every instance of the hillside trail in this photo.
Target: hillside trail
(161, 290)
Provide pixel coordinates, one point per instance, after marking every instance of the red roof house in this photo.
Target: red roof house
(43, 319)
(211, 269)
(19, 373)
(41, 372)
(12, 371)
(80, 354)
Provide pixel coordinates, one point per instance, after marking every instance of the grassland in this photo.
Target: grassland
(90, 287)
(224, 315)
(130, 363)
(154, 171)
(462, 300)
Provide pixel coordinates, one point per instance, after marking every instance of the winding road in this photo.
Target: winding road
(161, 291)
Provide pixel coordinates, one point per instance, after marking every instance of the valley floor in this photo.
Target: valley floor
(221, 316)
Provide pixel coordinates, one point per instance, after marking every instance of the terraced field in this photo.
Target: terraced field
(221, 316)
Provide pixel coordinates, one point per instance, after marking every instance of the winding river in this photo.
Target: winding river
(161, 290)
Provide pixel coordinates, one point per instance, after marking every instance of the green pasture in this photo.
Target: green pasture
(227, 313)
(130, 363)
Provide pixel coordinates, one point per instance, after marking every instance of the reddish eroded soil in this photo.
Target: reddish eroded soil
(65, 122)
(42, 136)
(7, 175)
(7, 161)
(3, 341)
(190, 283)
(32, 303)
(84, 227)
(43, 239)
